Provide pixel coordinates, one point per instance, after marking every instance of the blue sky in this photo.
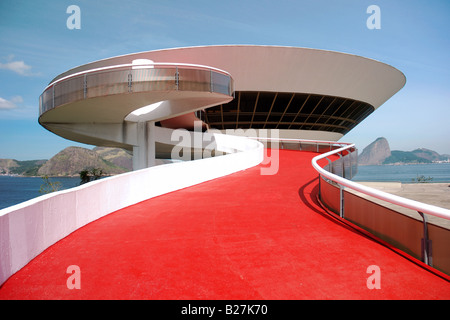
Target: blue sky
(36, 45)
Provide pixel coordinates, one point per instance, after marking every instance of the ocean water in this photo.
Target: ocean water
(440, 172)
(14, 190)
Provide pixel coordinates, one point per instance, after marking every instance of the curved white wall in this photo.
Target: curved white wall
(29, 228)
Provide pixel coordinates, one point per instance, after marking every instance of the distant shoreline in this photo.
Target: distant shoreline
(42, 176)
(31, 176)
(403, 164)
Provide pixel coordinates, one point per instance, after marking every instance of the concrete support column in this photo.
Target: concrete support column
(151, 148)
(136, 164)
(144, 152)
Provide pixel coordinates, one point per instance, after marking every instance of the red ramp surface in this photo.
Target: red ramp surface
(243, 236)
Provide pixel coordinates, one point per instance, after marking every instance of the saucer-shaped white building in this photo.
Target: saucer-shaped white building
(304, 93)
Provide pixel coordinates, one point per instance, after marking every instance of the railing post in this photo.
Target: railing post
(211, 85)
(426, 243)
(341, 201)
(53, 96)
(330, 165)
(130, 82)
(350, 164)
(340, 158)
(320, 192)
(85, 86)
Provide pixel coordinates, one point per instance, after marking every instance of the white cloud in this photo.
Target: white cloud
(18, 67)
(17, 108)
(10, 104)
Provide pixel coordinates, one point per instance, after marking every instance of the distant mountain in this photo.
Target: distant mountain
(23, 168)
(378, 153)
(375, 153)
(72, 160)
(119, 157)
(399, 157)
(430, 155)
(7, 165)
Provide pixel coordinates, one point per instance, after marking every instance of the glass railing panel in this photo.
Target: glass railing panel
(194, 80)
(69, 91)
(289, 145)
(346, 167)
(354, 163)
(107, 83)
(337, 167)
(221, 83)
(47, 100)
(322, 148)
(125, 79)
(306, 146)
(152, 79)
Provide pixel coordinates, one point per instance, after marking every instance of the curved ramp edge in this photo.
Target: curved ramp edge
(29, 228)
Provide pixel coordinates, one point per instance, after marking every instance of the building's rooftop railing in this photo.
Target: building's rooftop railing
(134, 77)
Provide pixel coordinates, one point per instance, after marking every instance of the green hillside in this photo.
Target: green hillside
(404, 157)
(70, 162)
(23, 168)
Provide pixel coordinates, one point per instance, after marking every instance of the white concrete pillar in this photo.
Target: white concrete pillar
(151, 148)
(136, 158)
(144, 153)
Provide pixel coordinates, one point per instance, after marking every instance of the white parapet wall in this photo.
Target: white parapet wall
(29, 228)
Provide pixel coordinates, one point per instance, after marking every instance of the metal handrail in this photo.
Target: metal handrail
(421, 208)
(303, 140)
(49, 90)
(381, 195)
(140, 66)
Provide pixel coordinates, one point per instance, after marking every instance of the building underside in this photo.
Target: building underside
(290, 111)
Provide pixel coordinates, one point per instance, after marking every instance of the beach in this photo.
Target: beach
(437, 194)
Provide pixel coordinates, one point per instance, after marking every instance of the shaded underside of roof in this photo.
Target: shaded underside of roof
(282, 110)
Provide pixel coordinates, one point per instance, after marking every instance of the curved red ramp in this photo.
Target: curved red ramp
(243, 236)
